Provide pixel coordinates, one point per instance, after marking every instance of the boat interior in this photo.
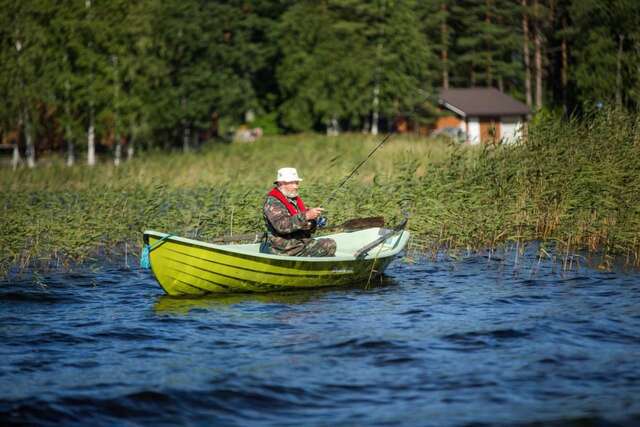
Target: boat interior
(348, 243)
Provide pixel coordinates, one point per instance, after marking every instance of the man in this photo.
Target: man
(289, 223)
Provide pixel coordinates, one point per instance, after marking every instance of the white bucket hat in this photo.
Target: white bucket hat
(287, 175)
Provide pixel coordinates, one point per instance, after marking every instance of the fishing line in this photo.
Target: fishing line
(385, 139)
(333, 193)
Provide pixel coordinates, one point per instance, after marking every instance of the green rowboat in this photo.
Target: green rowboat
(185, 266)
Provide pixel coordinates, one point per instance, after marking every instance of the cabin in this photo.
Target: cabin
(481, 115)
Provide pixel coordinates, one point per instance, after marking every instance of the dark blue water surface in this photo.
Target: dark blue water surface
(476, 341)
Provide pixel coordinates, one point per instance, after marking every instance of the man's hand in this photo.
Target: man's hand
(313, 213)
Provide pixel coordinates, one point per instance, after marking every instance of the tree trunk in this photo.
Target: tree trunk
(15, 158)
(130, 146)
(445, 48)
(31, 148)
(71, 155)
(186, 132)
(117, 154)
(91, 130)
(564, 73)
(333, 129)
(375, 114)
(619, 71)
(538, 56)
(366, 125)
(525, 53)
(91, 141)
(487, 19)
(194, 139)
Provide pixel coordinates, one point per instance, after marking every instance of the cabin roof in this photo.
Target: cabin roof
(481, 101)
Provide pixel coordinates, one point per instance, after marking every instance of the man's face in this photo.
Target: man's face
(289, 188)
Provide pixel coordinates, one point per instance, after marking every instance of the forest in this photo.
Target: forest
(112, 77)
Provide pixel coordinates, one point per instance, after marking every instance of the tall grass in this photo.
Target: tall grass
(574, 182)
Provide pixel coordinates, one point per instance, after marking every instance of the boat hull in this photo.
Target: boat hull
(189, 267)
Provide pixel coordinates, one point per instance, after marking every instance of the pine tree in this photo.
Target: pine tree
(325, 65)
(141, 68)
(210, 57)
(526, 51)
(488, 43)
(438, 18)
(68, 44)
(407, 66)
(350, 59)
(606, 50)
(237, 53)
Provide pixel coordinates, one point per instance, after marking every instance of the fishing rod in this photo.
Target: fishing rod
(353, 172)
(322, 220)
(387, 136)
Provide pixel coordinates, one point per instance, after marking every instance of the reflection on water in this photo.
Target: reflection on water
(480, 340)
(167, 304)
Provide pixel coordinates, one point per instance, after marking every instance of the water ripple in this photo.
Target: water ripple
(440, 343)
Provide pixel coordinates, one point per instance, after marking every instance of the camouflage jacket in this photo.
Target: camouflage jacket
(286, 234)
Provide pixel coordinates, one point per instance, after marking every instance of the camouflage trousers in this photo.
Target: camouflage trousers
(319, 247)
(301, 247)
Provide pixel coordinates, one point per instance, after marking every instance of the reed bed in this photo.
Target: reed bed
(573, 184)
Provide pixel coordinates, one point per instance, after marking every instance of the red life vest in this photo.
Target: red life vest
(293, 209)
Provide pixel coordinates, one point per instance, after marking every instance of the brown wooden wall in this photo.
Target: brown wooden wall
(489, 130)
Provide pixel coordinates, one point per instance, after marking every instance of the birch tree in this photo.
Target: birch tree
(10, 81)
(90, 94)
(27, 59)
(65, 31)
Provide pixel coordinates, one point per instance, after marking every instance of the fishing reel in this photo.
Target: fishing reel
(321, 221)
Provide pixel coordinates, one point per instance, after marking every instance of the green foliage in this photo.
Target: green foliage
(209, 56)
(25, 71)
(325, 64)
(336, 52)
(488, 37)
(606, 37)
(161, 71)
(268, 123)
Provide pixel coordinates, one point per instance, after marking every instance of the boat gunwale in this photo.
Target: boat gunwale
(402, 235)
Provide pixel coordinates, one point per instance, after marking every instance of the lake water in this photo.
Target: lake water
(476, 341)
